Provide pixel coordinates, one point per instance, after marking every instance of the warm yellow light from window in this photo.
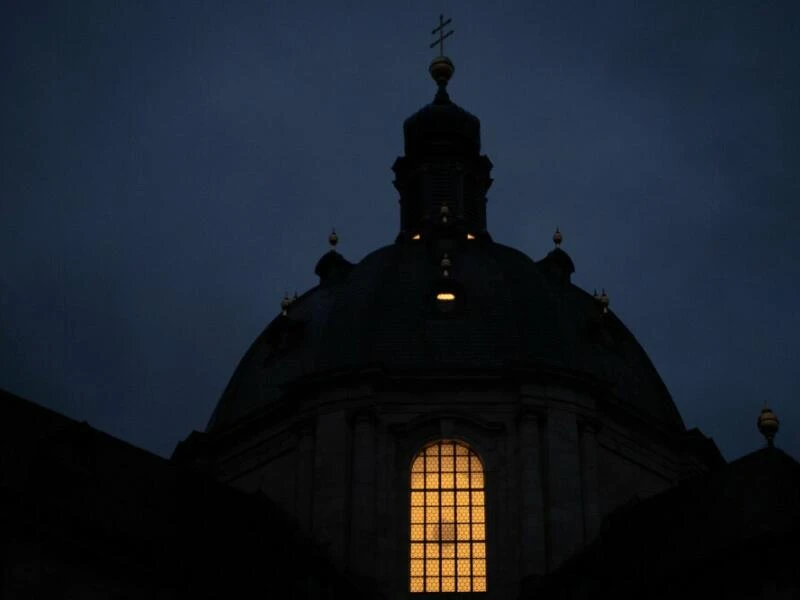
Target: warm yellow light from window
(470, 236)
(448, 525)
(445, 296)
(416, 236)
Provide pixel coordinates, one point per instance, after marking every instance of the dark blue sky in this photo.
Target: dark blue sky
(170, 168)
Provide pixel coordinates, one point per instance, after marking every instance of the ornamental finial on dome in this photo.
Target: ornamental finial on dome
(445, 264)
(557, 237)
(768, 425)
(333, 239)
(604, 301)
(444, 211)
(285, 304)
(441, 68)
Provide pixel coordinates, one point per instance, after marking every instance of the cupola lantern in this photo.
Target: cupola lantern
(442, 164)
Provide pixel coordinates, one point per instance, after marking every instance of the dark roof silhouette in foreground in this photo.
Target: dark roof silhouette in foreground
(697, 535)
(81, 509)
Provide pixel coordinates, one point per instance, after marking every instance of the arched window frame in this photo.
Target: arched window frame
(447, 525)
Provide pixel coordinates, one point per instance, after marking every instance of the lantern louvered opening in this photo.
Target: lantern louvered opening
(443, 187)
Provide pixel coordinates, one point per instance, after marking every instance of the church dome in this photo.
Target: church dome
(510, 314)
(445, 299)
(447, 397)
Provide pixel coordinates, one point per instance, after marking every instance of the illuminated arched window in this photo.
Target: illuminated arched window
(448, 524)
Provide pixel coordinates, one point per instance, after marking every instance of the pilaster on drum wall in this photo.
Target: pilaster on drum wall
(587, 432)
(533, 545)
(304, 466)
(362, 505)
(564, 485)
(331, 483)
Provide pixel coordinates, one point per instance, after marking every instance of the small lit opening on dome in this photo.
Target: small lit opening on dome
(470, 236)
(445, 297)
(416, 236)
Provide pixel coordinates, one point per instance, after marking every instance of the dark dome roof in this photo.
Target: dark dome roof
(382, 312)
(442, 122)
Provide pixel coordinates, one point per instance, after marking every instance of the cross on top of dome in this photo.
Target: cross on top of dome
(441, 68)
(442, 35)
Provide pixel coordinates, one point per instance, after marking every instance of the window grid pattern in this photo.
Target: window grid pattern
(448, 524)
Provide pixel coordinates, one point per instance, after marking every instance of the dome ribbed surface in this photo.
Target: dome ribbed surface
(381, 314)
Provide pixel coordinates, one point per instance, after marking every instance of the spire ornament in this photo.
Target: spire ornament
(445, 264)
(441, 68)
(768, 425)
(285, 304)
(442, 34)
(604, 301)
(333, 239)
(557, 237)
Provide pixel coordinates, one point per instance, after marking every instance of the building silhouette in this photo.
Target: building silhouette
(445, 417)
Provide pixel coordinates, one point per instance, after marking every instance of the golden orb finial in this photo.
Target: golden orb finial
(285, 303)
(604, 300)
(441, 69)
(768, 425)
(333, 239)
(557, 237)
